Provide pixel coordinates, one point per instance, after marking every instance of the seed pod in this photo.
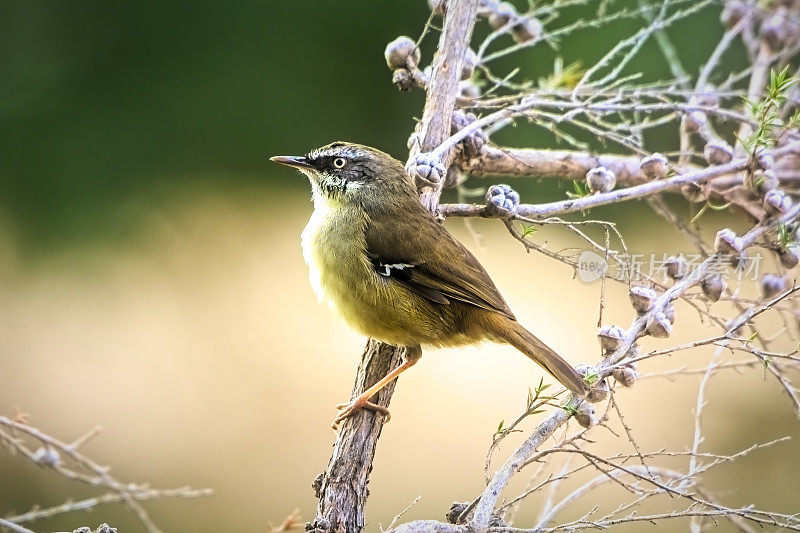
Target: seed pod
(693, 192)
(425, 169)
(401, 53)
(734, 12)
(718, 153)
(659, 326)
(713, 287)
(625, 375)
(527, 30)
(765, 160)
(676, 267)
(774, 31)
(693, 121)
(600, 179)
(760, 182)
(502, 201)
(642, 298)
(402, 79)
(469, 89)
(772, 285)
(585, 414)
(610, 337)
(790, 256)
(47, 456)
(599, 392)
(502, 15)
(655, 166)
(470, 62)
(727, 242)
(777, 202)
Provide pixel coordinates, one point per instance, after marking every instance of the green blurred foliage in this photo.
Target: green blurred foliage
(111, 109)
(104, 104)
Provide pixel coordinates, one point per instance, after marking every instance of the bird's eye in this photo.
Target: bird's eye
(339, 162)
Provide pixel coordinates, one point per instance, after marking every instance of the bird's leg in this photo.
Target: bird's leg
(413, 354)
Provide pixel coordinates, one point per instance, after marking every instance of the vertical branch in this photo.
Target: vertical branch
(443, 89)
(342, 489)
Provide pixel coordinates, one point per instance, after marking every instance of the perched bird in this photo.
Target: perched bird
(394, 273)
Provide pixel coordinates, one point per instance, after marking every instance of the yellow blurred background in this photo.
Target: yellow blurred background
(204, 354)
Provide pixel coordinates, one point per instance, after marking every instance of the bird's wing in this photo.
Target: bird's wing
(421, 254)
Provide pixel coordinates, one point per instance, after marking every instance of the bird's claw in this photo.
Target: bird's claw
(350, 408)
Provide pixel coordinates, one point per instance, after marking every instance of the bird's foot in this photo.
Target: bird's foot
(350, 408)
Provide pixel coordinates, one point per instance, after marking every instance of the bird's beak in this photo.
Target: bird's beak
(299, 162)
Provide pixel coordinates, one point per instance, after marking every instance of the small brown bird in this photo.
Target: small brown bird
(394, 273)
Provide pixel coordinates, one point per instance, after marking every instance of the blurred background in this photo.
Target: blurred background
(151, 278)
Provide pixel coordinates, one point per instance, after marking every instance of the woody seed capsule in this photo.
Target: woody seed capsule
(610, 337)
(401, 53)
(718, 153)
(642, 298)
(654, 166)
(790, 256)
(600, 179)
(772, 285)
(713, 287)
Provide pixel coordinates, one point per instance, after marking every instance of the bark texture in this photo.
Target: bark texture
(342, 488)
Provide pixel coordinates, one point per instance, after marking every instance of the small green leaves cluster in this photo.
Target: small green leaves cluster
(581, 190)
(787, 234)
(533, 405)
(563, 77)
(766, 111)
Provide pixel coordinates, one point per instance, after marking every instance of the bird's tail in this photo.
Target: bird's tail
(526, 342)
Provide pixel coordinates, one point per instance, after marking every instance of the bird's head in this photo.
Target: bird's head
(352, 174)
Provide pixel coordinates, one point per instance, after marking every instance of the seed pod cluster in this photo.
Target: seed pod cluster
(642, 298)
(610, 337)
(599, 392)
(676, 267)
(625, 375)
(426, 170)
(693, 192)
(47, 456)
(502, 201)
(772, 285)
(600, 179)
(469, 65)
(403, 52)
(472, 144)
(693, 121)
(654, 167)
(585, 414)
(790, 256)
(777, 202)
(733, 12)
(523, 29)
(713, 287)
(401, 55)
(727, 242)
(718, 153)
(659, 325)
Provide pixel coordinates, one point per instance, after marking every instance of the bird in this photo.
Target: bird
(393, 272)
